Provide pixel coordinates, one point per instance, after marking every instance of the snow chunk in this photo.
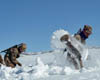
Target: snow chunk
(41, 70)
(56, 70)
(69, 71)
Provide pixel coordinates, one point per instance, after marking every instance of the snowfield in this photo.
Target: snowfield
(53, 65)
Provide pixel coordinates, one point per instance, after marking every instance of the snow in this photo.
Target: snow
(47, 67)
(53, 65)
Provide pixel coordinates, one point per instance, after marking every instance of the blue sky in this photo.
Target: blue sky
(34, 21)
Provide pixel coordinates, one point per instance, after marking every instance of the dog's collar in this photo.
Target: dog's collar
(83, 36)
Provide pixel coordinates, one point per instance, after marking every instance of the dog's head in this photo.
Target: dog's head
(64, 38)
(87, 30)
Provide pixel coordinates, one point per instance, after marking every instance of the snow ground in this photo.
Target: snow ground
(52, 66)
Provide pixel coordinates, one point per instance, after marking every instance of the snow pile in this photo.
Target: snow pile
(41, 70)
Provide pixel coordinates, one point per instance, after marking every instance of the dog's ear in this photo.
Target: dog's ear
(87, 27)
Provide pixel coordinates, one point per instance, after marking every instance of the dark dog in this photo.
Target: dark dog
(1, 60)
